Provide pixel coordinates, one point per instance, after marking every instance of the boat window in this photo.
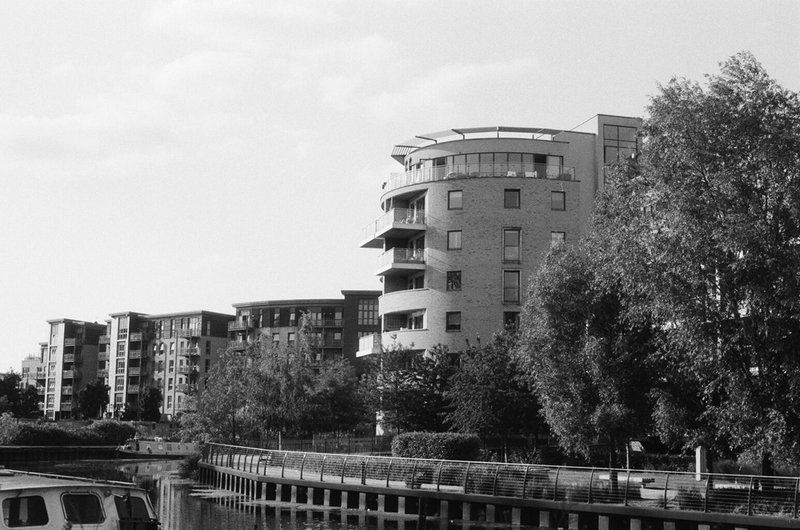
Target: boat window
(82, 508)
(24, 511)
(131, 508)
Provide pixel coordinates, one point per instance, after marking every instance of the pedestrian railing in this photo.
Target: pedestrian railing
(747, 495)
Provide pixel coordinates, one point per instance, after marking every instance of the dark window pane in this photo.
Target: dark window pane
(24, 511)
(511, 199)
(82, 508)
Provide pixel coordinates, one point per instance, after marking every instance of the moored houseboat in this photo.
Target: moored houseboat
(38, 500)
(156, 448)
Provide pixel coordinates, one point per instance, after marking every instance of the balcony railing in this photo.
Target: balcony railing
(478, 170)
(395, 220)
(104, 339)
(134, 370)
(72, 342)
(326, 322)
(69, 374)
(189, 352)
(135, 354)
(40, 390)
(186, 370)
(67, 390)
(136, 336)
(69, 357)
(186, 387)
(102, 356)
(242, 324)
(102, 372)
(401, 259)
(237, 344)
(188, 333)
(133, 389)
(66, 406)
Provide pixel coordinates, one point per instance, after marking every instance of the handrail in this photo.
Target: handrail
(740, 495)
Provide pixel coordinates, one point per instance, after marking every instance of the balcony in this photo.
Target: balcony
(72, 342)
(66, 406)
(326, 322)
(40, 390)
(102, 356)
(135, 370)
(186, 388)
(237, 344)
(396, 223)
(102, 372)
(188, 333)
(135, 353)
(414, 339)
(133, 389)
(136, 336)
(186, 370)
(401, 261)
(66, 390)
(478, 170)
(104, 339)
(69, 357)
(242, 324)
(189, 352)
(69, 374)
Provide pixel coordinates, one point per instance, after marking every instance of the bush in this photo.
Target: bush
(106, 432)
(439, 446)
(110, 432)
(190, 466)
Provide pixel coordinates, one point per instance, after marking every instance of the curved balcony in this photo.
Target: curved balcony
(405, 301)
(478, 170)
(396, 223)
(402, 261)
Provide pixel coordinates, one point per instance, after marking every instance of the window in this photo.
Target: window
(511, 320)
(292, 317)
(169, 402)
(208, 347)
(455, 200)
(511, 199)
(130, 509)
(120, 366)
(454, 240)
(453, 280)
(337, 337)
(172, 365)
(558, 200)
(169, 383)
(368, 312)
(416, 320)
(25, 511)
(453, 321)
(511, 287)
(276, 339)
(208, 327)
(291, 338)
(556, 238)
(82, 508)
(417, 281)
(122, 332)
(276, 318)
(121, 349)
(511, 244)
(119, 384)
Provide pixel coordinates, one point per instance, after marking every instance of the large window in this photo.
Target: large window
(453, 280)
(82, 508)
(511, 244)
(454, 240)
(619, 143)
(368, 312)
(25, 511)
(558, 200)
(511, 287)
(511, 199)
(557, 238)
(455, 200)
(453, 321)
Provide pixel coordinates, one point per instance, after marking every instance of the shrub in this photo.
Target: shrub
(110, 432)
(190, 466)
(9, 429)
(439, 446)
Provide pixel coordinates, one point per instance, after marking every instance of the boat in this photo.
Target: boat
(156, 448)
(50, 501)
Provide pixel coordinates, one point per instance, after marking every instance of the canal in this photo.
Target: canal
(183, 504)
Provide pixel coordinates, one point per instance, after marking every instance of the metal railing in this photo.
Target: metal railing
(746, 495)
(413, 256)
(478, 170)
(403, 216)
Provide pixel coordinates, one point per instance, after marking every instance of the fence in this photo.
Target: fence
(744, 495)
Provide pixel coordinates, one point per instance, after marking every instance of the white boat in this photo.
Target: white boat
(44, 501)
(156, 448)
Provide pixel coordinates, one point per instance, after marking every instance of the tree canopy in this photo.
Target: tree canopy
(698, 238)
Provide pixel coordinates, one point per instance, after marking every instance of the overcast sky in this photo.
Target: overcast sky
(172, 156)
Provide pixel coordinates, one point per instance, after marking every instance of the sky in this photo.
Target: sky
(182, 155)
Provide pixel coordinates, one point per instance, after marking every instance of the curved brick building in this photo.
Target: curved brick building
(469, 218)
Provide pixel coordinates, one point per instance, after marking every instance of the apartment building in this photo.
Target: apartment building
(172, 352)
(468, 220)
(70, 362)
(34, 369)
(337, 324)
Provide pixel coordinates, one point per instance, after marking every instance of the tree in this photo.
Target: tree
(488, 397)
(29, 403)
(407, 389)
(92, 400)
(9, 392)
(588, 365)
(702, 236)
(150, 404)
